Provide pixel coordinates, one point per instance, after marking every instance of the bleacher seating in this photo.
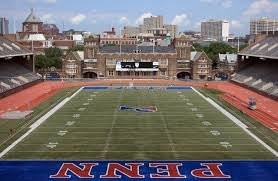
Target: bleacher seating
(13, 75)
(261, 76)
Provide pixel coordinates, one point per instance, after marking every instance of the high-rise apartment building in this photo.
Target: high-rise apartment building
(4, 26)
(215, 30)
(265, 25)
(153, 22)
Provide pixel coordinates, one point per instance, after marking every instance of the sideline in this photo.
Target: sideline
(237, 121)
(39, 122)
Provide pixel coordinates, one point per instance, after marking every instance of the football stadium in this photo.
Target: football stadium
(136, 109)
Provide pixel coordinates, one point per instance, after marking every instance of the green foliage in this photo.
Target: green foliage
(41, 61)
(214, 49)
(52, 58)
(76, 48)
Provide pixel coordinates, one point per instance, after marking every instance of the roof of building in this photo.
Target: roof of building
(49, 26)
(266, 48)
(79, 55)
(230, 58)
(11, 49)
(195, 55)
(32, 18)
(141, 49)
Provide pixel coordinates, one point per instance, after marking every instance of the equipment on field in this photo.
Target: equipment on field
(252, 104)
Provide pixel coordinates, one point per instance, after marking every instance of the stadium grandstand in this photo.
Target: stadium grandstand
(16, 65)
(257, 66)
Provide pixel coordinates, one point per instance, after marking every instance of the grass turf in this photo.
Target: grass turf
(185, 126)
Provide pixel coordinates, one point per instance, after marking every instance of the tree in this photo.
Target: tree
(41, 61)
(52, 58)
(214, 49)
(76, 48)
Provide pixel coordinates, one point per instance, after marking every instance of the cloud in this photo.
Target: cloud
(259, 7)
(50, 1)
(235, 24)
(140, 19)
(41, 1)
(227, 3)
(76, 20)
(124, 20)
(47, 18)
(223, 3)
(180, 20)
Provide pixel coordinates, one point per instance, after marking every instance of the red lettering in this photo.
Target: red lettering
(172, 170)
(212, 171)
(84, 172)
(132, 172)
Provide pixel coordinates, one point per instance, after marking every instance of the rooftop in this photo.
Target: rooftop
(32, 18)
(11, 49)
(267, 48)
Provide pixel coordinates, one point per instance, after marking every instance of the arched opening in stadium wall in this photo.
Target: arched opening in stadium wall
(90, 75)
(184, 75)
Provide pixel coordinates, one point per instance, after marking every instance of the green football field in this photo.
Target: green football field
(184, 127)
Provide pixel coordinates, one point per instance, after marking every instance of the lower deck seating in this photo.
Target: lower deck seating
(262, 76)
(13, 75)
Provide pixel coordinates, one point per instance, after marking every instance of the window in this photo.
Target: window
(110, 73)
(162, 73)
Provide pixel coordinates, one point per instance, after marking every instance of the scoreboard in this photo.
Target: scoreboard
(133, 65)
(137, 66)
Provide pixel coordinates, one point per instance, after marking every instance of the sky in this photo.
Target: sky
(99, 15)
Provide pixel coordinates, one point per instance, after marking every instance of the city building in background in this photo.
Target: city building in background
(152, 25)
(50, 29)
(263, 25)
(215, 30)
(4, 26)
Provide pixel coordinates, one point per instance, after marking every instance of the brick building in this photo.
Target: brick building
(141, 61)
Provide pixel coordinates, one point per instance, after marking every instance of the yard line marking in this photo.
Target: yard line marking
(39, 122)
(168, 134)
(126, 127)
(142, 133)
(109, 136)
(237, 121)
(146, 144)
(131, 151)
(128, 138)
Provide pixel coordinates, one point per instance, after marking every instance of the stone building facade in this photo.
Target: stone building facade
(140, 61)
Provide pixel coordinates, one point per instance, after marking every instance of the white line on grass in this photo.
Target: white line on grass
(38, 123)
(238, 122)
(170, 140)
(109, 136)
(136, 151)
